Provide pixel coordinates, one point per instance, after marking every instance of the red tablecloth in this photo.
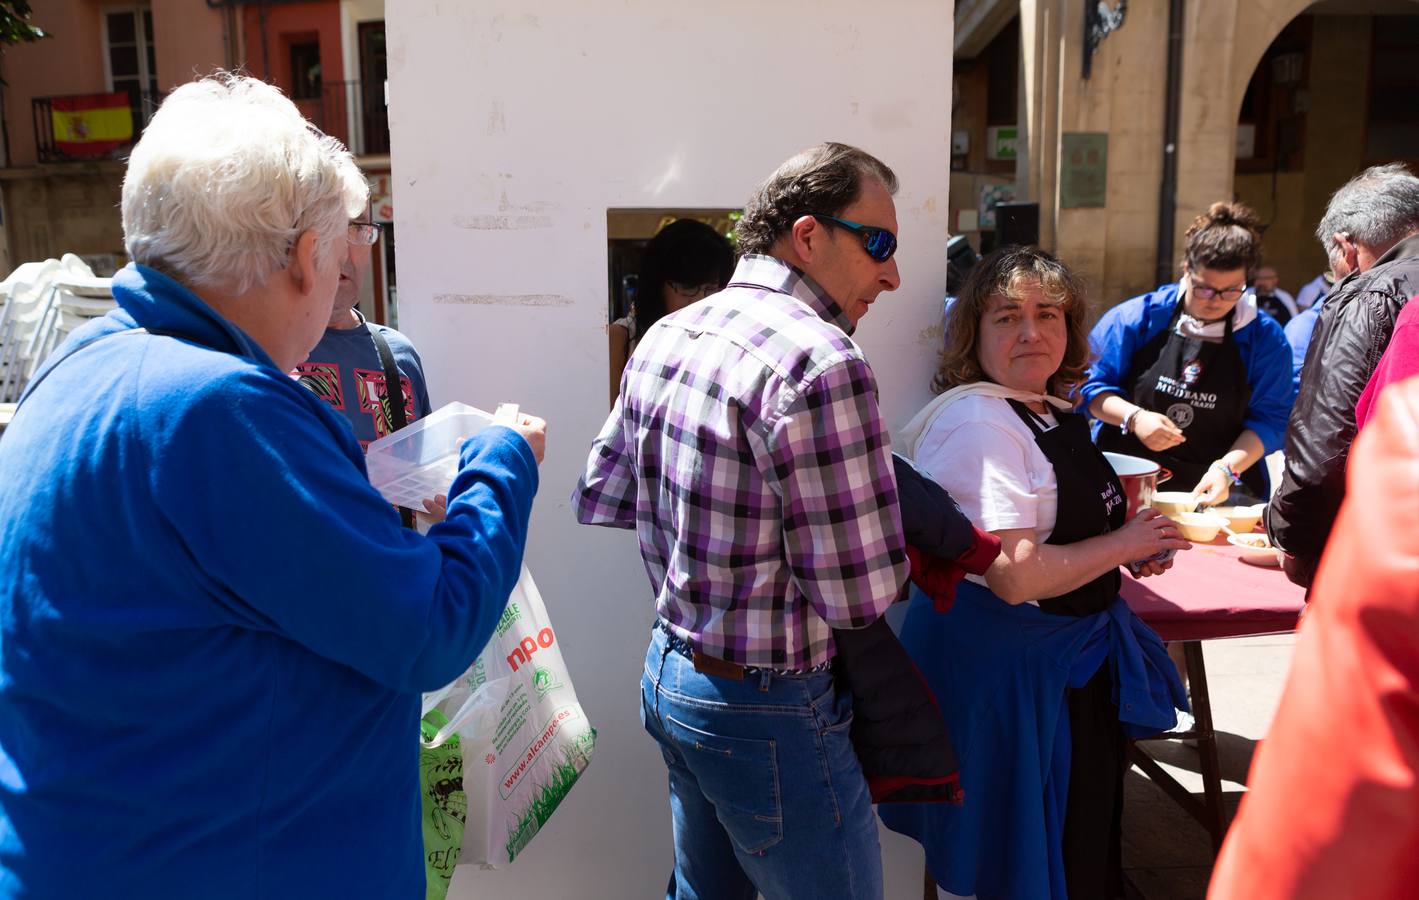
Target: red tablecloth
(1210, 593)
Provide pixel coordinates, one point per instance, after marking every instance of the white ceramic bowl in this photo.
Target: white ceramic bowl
(1170, 503)
(1200, 528)
(1241, 519)
(1256, 549)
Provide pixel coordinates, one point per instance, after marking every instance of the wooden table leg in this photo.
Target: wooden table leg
(1210, 812)
(1216, 822)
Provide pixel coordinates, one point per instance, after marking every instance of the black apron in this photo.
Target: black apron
(1091, 503)
(1202, 386)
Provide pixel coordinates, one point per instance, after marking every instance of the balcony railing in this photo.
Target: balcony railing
(80, 127)
(354, 112)
(105, 126)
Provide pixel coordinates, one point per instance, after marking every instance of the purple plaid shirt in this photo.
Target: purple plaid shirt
(747, 451)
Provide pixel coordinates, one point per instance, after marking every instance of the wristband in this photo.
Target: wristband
(1229, 472)
(1126, 425)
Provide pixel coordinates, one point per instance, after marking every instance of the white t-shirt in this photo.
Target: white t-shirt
(983, 453)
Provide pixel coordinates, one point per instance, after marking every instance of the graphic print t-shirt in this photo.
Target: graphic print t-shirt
(344, 370)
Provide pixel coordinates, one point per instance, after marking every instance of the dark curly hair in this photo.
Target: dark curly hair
(823, 180)
(1226, 237)
(1001, 274)
(687, 251)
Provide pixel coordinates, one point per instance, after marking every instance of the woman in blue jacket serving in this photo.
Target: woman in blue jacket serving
(1189, 375)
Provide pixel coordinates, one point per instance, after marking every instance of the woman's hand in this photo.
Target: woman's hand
(1148, 534)
(1156, 431)
(436, 508)
(1213, 488)
(1154, 567)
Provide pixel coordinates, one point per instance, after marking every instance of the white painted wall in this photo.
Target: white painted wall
(506, 160)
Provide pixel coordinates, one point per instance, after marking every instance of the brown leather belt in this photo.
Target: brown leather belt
(719, 668)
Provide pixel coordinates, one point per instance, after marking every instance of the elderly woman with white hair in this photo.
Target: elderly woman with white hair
(213, 631)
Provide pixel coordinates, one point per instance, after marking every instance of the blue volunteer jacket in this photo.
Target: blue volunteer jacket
(1125, 329)
(213, 631)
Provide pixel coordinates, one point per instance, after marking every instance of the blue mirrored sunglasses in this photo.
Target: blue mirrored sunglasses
(879, 243)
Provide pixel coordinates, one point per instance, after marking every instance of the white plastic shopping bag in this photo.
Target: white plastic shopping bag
(524, 738)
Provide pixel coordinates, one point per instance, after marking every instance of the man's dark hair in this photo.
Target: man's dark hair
(823, 180)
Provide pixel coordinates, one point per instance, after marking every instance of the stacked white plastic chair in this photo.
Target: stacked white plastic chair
(44, 301)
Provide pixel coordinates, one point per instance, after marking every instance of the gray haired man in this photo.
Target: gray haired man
(1370, 231)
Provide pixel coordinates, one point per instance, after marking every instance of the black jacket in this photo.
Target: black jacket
(1354, 329)
(897, 730)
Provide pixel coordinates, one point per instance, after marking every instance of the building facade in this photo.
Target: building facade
(75, 103)
(1278, 103)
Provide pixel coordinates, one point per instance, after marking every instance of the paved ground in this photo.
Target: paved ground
(1166, 853)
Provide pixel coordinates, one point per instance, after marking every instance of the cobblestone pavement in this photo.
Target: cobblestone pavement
(1166, 854)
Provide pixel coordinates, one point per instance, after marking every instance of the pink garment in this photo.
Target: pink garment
(1400, 361)
(1333, 809)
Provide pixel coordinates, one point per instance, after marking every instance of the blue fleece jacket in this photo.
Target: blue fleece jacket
(1128, 327)
(213, 631)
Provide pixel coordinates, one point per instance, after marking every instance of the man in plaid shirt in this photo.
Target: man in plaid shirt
(747, 450)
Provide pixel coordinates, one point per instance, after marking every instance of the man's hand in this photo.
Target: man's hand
(534, 431)
(1156, 431)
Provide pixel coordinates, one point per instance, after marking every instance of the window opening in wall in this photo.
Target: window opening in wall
(1393, 132)
(374, 70)
(305, 70)
(129, 59)
(628, 231)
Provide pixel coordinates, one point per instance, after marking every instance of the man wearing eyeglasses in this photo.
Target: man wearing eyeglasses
(369, 373)
(747, 450)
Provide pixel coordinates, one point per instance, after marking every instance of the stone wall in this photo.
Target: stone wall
(73, 208)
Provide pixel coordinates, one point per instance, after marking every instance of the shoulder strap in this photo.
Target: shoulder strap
(54, 362)
(394, 395)
(1032, 419)
(393, 385)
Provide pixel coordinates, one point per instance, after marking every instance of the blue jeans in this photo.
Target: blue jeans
(766, 793)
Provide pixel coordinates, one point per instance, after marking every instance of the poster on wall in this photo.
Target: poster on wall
(1083, 176)
(990, 196)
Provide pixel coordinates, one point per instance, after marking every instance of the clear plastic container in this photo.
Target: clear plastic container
(420, 460)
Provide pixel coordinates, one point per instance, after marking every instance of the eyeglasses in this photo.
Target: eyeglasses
(366, 233)
(879, 243)
(693, 291)
(1206, 292)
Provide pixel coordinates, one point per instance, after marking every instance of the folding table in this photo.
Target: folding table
(1209, 593)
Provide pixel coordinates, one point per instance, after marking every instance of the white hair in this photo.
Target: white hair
(225, 178)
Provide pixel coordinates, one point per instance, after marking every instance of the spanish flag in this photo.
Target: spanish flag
(91, 125)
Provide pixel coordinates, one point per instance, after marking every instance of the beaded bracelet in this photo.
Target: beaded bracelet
(1229, 472)
(1127, 424)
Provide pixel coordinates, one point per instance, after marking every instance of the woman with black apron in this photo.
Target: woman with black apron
(1190, 375)
(1027, 663)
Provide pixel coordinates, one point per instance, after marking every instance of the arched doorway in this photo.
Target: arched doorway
(1329, 94)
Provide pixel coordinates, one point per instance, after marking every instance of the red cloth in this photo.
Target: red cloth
(938, 577)
(1400, 361)
(1210, 593)
(1333, 809)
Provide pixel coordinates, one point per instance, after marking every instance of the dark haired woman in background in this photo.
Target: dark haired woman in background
(685, 261)
(1189, 375)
